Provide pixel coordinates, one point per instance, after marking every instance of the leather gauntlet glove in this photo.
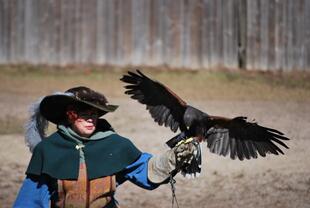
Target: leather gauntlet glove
(160, 166)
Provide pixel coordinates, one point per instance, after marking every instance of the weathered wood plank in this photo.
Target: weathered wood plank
(205, 40)
(212, 22)
(101, 32)
(46, 15)
(109, 33)
(173, 24)
(251, 8)
(230, 45)
(271, 35)
(255, 34)
(45, 33)
(284, 35)
(140, 31)
(307, 35)
(4, 32)
(12, 30)
(241, 19)
(186, 35)
(299, 36)
(195, 12)
(66, 33)
(124, 32)
(289, 59)
(278, 35)
(218, 47)
(88, 31)
(154, 35)
(262, 58)
(31, 32)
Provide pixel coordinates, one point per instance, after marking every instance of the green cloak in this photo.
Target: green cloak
(58, 157)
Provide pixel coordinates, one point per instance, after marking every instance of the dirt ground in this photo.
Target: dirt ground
(275, 181)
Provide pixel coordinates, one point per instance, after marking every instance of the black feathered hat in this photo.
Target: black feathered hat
(53, 107)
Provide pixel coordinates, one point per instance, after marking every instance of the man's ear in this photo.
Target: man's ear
(71, 116)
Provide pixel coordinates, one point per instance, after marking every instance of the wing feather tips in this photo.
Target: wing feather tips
(165, 116)
(162, 116)
(141, 74)
(134, 75)
(132, 92)
(221, 145)
(275, 148)
(244, 145)
(226, 148)
(129, 80)
(217, 144)
(138, 97)
(131, 87)
(133, 79)
(279, 142)
(273, 131)
(257, 139)
(251, 149)
(240, 151)
(245, 150)
(175, 125)
(169, 120)
(260, 149)
(233, 151)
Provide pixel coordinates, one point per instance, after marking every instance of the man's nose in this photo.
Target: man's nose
(91, 120)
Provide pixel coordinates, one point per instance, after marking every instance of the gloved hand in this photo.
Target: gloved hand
(160, 166)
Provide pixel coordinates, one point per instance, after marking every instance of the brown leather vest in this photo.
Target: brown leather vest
(84, 193)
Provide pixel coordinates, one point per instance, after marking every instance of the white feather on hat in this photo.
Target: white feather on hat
(37, 124)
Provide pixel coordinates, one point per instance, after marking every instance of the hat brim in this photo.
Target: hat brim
(53, 107)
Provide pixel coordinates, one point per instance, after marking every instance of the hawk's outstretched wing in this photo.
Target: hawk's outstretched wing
(241, 139)
(165, 106)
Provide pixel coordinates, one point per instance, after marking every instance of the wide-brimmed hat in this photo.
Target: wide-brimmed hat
(53, 107)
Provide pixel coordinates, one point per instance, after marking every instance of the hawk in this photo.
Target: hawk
(235, 137)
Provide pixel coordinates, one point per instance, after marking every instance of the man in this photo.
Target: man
(83, 162)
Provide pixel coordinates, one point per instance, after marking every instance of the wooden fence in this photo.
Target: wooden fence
(251, 34)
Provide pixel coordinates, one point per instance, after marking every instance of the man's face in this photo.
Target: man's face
(83, 123)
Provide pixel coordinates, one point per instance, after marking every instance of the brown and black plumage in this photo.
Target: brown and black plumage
(236, 137)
